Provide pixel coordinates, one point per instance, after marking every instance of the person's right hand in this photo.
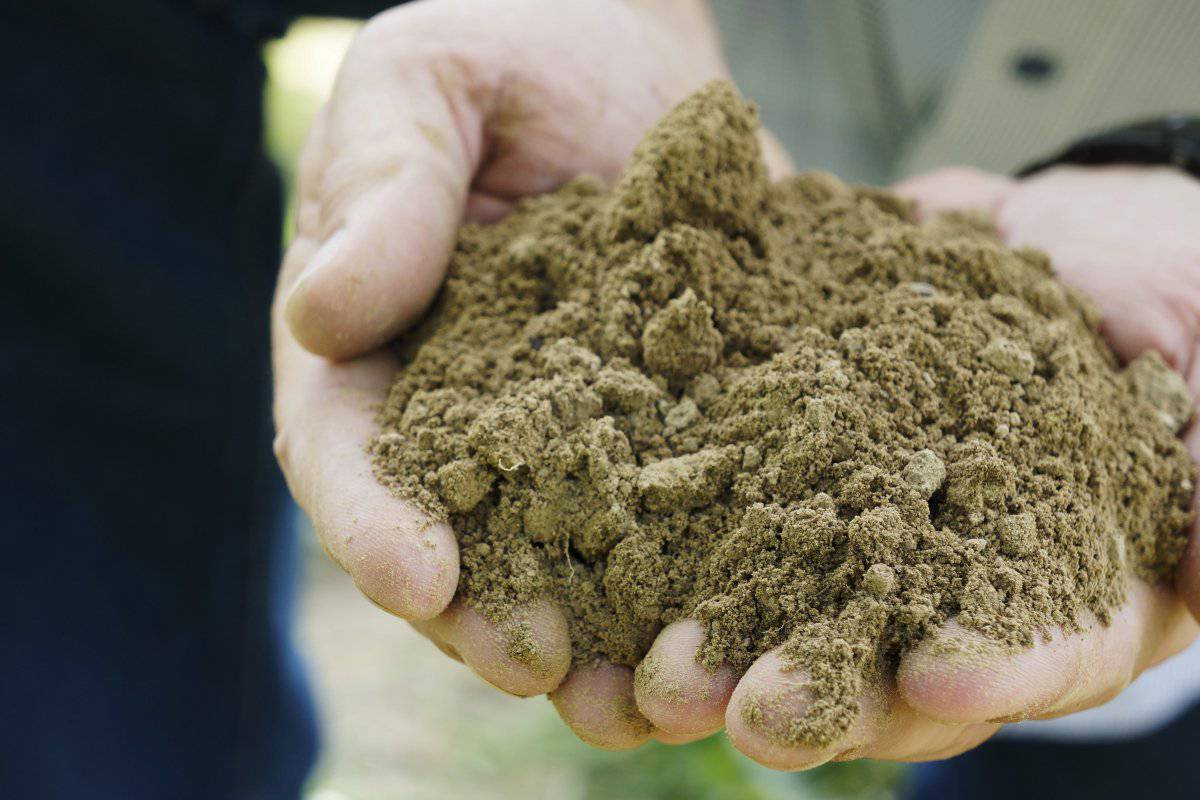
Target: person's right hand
(448, 111)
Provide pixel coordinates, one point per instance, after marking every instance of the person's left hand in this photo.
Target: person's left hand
(445, 112)
(1129, 238)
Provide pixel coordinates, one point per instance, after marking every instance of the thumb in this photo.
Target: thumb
(384, 181)
(954, 189)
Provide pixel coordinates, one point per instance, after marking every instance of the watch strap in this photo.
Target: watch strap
(1172, 140)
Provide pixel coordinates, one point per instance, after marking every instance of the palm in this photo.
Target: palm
(1125, 237)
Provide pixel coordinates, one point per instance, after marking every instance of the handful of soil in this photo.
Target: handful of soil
(786, 410)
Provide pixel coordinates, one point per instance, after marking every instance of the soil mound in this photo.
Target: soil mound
(787, 410)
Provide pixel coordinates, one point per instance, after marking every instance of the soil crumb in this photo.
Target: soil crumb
(784, 409)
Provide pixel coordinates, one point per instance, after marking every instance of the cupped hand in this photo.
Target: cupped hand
(1128, 237)
(1124, 235)
(444, 112)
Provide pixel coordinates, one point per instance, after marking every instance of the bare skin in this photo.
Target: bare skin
(447, 111)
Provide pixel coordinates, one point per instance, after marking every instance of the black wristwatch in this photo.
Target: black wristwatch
(1173, 140)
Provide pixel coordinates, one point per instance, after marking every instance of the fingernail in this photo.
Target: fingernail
(326, 253)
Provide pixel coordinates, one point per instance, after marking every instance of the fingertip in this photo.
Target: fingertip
(960, 676)
(775, 155)
(308, 318)
(597, 703)
(676, 693)
(401, 559)
(766, 716)
(527, 654)
(330, 315)
(362, 289)
(954, 188)
(412, 573)
(314, 311)
(382, 268)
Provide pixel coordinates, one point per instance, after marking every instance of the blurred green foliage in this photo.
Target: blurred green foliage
(712, 770)
(709, 769)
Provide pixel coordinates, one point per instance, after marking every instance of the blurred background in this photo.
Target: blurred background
(399, 718)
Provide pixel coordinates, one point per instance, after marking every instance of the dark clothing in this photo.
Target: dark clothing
(146, 579)
(1161, 764)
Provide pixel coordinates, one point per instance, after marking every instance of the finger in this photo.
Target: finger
(892, 730)
(483, 208)
(597, 703)
(775, 155)
(768, 712)
(527, 654)
(678, 695)
(954, 189)
(772, 705)
(399, 146)
(400, 559)
(961, 676)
